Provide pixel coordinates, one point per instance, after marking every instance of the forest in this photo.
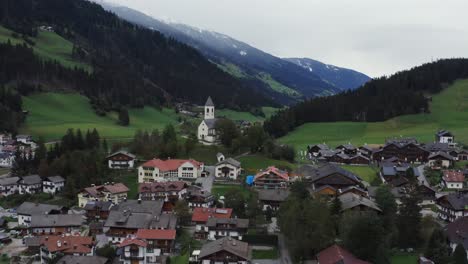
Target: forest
(406, 92)
(132, 66)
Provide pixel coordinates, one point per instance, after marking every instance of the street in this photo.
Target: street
(285, 257)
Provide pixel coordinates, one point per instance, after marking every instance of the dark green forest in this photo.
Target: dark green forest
(406, 92)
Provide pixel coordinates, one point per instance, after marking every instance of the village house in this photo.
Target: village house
(354, 202)
(452, 206)
(158, 239)
(71, 259)
(131, 215)
(444, 136)
(53, 246)
(157, 170)
(272, 199)
(98, 210)
(53, 184)
(30, 184)
(9, 186)
(237, 252)
(453, 179)
(330, 191)
(200, 217)
(6, 159)
(207, 129)
(113, 192)
(165, 191)
(121, 160)
(198, 197)
(405, 149)
(348, 149)
(359, 159)
(26, 139)
(337, 255)
(314, 150)
(329, 174)
(457, 233)
(397, 174)
(339, 158)
(55, 224)
(147, 246)
(4, 138)
(450, 149)
(226, 227)
(27, 209)
(271, 178)
(228, 168)
(440, 160)
(134, 251)
(366, 150)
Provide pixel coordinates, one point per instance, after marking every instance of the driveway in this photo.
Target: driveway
(14, 248)
(422, 177)
(285, 257)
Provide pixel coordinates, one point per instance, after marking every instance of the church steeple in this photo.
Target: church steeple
(209, 109)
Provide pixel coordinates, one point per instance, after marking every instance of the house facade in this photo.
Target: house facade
(9, 186)
(113, 192)
(218, 251)
(27, 209)
(227, 227)
(271, 199)
(53, 184)
(166, 191)
(452, 206)
(200, 218)
(207, 129)
(440, 160)
(158, 170)
(453, 179)
(121, 160)
(6, 159)
(405, 149)
(228, 168)
(271, 178)
(30, 184)
(444, 136)
(199, 198)
(55, 224)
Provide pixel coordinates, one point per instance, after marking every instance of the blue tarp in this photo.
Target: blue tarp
(249, 180)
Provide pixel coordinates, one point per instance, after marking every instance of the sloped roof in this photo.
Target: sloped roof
(274, 170)
(338, 255)
(458, 201)
(231, 161)
(9, 181)
(350, 200)
(56, 220)
(444, 133)
(103, 206)
(209, 102)
(457, 231)
(156, 234)
(123, 152)
(161, 186)
(133, 241)
(55, 179)
(68, 244)
(453, 176)
(31, 179)
(327, 169)
(441, 154)
(210, 123)
(235, 247)
(278, 195)
(96, 191)
(203, 214)
(28, 208)
(171, 164)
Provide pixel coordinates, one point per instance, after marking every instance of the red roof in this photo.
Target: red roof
(336, 254)
(68, 244)
(133, 241)
(202, 214)
(161, 186)
(170, 165)
(156, 234)
(112, 188)
(453, 176)
(273, 170)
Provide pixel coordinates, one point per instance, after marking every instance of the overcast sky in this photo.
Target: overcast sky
(377, 37)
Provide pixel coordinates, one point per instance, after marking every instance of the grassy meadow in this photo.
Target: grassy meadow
(449, 110)
(51, 114)
(48, 45)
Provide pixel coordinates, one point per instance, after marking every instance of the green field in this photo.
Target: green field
(51, 114)
(265, 254)
(276, 86)
(221, 190)
(367, 173)
(235, 115)
(48, 45)
(404, 259)
(449, 110)
(252, 163)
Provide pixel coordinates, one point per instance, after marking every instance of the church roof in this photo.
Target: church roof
(210, 123)
(209, 102)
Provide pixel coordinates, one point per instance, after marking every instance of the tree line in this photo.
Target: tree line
(406, 92)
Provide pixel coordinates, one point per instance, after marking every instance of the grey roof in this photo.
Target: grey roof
(327, 153)
(28, 208)
(137, 206)
(320, 146)
(69, 259)
(437, 146)
(31, 180)
(278, 195)
(210, 123)
(238, 222)
(231, 161)
(219, 154)
(350, 200)
(324, 170)
(163, 221)
(457, 231)
(194, 190)
(122, 152)
(103, 206)
(348, 146)
(137, 214)
(235, 247)
(209, 102)
(458, 201)
(444, 133)
(57, 220)
(128, 220)
(441, 154)
(55, 179)
(9, 181)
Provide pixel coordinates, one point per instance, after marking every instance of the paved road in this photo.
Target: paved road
(422, 177)
(285, 257)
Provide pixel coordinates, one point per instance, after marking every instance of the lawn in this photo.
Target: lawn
(252, 163)
(221, 190)
(367, 173)
(404, 259)
(129, 179)
(235, 115)
(4, 171)
(51, 114)
(48, 45)
(449, 110)
(265, 254)
(184, 259)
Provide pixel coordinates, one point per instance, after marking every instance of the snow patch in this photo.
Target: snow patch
(242, 53)
(234, 46)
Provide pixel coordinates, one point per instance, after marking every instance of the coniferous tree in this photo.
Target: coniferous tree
(437, 249)
(409, 220)
(124, 118)
(459, 255)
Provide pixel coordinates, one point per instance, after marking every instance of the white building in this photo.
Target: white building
(444, 136)
(53, 184)
(228, 168)
(134, 251)
(453, 179)
(30, 184)
(27, 209)
(9, 186)
(206, 129)
(157, 170)
(4, 138)
(6, 159)
(121, 160)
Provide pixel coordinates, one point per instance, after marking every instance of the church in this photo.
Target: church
(206, 129)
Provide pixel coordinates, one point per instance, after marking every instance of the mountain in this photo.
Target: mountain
(280, 79)
(127, 65)
(404, 93)
(345, 79)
